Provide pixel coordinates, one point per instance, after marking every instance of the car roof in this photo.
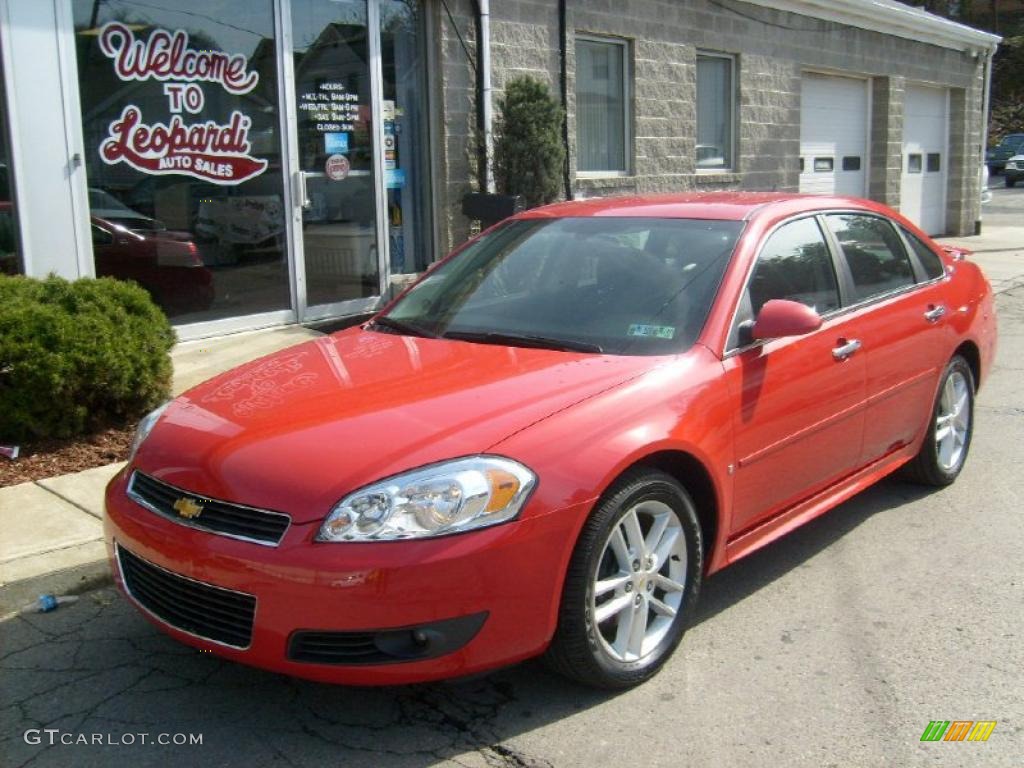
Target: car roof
(724, 206)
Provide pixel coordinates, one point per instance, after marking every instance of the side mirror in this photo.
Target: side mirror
(780, 317)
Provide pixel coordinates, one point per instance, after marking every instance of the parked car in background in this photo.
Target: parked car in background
(1009, 145)
(129, 245)
(1014, 170)
(550, 440)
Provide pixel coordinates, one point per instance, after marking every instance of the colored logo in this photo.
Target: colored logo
(958, 730)
(188, 508)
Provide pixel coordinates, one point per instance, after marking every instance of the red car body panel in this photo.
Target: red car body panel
(781, 433)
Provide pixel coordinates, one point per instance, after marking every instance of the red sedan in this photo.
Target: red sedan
(549, 441)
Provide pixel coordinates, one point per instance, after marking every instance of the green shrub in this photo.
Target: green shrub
(528, 150)
(75, 356)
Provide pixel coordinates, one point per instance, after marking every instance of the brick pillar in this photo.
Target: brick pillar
(886, 140)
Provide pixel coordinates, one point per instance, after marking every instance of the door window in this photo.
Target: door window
(930, 260)
(795, 265)
(877, 260)
(10, 261)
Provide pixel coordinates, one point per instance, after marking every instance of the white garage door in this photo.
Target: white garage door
(923, 185)
(833, 135)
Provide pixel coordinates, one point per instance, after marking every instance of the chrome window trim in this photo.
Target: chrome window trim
(162, 620)
(134, 496)
(839, 312)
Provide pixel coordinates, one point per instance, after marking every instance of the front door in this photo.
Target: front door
(360, 151)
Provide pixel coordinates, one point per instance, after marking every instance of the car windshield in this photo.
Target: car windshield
(628, 286)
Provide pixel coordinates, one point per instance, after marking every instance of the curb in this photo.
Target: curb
(70, 581)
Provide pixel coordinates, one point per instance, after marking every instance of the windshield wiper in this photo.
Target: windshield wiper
(399, 326)
(523, 340)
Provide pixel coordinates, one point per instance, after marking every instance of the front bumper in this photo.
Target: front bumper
(511, 573)
(1013, 174)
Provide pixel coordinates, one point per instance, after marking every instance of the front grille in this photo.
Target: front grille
(201, 609)
(257, 525)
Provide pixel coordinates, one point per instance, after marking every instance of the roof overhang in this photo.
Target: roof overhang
(891, 18)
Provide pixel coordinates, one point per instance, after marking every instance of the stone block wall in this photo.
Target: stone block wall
(772, 49)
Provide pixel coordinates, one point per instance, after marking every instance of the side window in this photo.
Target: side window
(929, 259)
(795, 264)
(876, 257)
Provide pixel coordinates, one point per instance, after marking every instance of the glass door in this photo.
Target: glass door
(337, 86)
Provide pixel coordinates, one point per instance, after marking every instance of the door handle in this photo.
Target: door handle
(935, 313)
(301, 193)
(845, 349)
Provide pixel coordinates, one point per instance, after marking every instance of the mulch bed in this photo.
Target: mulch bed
(49, 458)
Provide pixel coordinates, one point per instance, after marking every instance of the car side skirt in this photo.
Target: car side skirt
(776, 527)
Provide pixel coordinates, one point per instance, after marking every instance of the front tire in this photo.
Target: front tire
(948, 438)
(1010, 182)
(632, 583)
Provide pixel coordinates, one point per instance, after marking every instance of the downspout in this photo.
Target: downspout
(487, 110)
(563, 53)
(986, 99)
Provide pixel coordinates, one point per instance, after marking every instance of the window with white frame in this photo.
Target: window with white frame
(715, 106)
(602, 106)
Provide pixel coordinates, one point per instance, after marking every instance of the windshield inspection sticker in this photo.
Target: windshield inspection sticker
(653, 331)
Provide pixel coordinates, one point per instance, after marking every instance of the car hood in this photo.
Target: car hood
(297, 430)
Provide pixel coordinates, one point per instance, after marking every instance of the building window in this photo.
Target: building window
(715, 107)
(602, 106)
(10, 260)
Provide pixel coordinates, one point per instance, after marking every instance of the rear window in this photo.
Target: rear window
(874, 253)
(930, 260)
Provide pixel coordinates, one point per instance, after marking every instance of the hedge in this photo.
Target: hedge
(77, 356)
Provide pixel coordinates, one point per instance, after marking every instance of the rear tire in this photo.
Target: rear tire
(948, 437)
(632, 583)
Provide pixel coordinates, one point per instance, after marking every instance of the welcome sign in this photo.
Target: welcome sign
(211, 151)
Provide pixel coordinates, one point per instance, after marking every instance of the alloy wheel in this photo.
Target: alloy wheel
(953, 423)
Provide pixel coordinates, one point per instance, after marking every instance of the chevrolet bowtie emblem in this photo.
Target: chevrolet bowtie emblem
(188, 508)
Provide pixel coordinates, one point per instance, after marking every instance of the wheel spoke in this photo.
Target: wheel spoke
(948, 395)
(961, 404)
(665, 583)
(634, 536)
(639, 630)
(624, 630)
(942, 433)
(656, 533)
(668, 541)
(612, 608)
(661, 608)
(607, 585)
(620, 548)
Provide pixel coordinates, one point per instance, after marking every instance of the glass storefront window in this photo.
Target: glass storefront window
(183, 152)
(10, 259)
(404, 115)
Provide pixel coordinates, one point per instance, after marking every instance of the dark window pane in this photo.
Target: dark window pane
(801, 165)
(929, 259)
(934, 162)
(795, 264)
(600, 106)
(874, 253)
(823, 164)
(913, 163)
(851, 163)
(10, 260)
(714, 112)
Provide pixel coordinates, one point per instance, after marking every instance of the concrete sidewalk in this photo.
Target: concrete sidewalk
(52, 530)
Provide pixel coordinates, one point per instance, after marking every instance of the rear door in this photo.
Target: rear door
(901, 312)
(799, 401)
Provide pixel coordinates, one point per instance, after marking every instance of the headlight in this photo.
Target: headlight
(452, 497)
(146, 425)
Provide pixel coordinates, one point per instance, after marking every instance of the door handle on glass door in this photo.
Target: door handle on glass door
(934, 313)
(301, 193)
(845, 348)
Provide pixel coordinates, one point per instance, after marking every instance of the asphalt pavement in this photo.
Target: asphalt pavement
(833, 647)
